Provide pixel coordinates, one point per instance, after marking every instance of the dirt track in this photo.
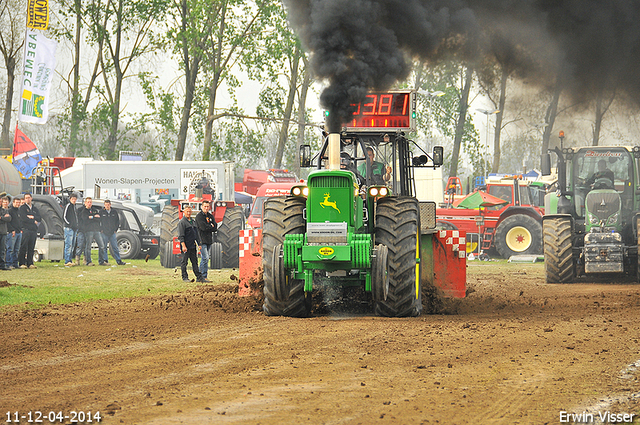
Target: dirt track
(515, 351)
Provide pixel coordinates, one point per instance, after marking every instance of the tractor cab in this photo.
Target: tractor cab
(593, 218)
(602, 185)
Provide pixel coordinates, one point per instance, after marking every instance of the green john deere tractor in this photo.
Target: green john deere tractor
(355, 223)
(591, 223)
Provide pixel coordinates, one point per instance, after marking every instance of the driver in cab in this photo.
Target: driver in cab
(602, 173)
(380, 173)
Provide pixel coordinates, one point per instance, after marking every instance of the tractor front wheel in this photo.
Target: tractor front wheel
(397, 225)
(558, 250)
(283, 296)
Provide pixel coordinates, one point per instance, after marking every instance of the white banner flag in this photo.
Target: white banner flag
(39, 65)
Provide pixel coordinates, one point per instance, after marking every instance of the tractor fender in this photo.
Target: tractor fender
(554, 216)
(530, 211)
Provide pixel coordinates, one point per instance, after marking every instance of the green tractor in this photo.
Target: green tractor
(591, 223)
(348, 226)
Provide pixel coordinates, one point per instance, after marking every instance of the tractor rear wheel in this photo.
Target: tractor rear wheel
(51, 222)
(518, 235)
(397, 226)
(558, 250)
(168, 229)
(283, 296)
(229, 236)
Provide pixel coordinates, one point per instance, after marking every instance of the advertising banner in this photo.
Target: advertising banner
(38, 14)
(39, 65)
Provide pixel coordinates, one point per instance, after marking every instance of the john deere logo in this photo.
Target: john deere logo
(326, 250)
(328, 203)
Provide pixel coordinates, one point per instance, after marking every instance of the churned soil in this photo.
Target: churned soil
(516, 350)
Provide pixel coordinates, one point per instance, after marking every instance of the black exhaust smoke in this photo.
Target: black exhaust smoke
(362, 45)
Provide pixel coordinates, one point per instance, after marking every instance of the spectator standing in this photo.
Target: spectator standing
(70, 218)
(207, 227)
(14, 234)
(89, 230)
(110, 222)
(30, 217)
(5, 218)
(189, 240)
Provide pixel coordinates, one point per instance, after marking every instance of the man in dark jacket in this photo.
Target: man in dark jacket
(89, 230)
(70, 219)
(206, 228)
(14, 234)
(30, 221)
(189, 241)
(110, 223)
(5, 218)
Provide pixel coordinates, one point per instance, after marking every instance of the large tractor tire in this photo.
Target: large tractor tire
(168, 229)
(558, 250)
(128, 245)
(397, 227)
(216, 256)
(518, 235)
(51, 220)
(283, 296)
(229, 236)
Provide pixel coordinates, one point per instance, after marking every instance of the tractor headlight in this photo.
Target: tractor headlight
(373, 191)
(384, 191)
(613, 219)
(300, 191)
(593, 219)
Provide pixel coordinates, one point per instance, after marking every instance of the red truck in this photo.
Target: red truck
(253, 179)
(265, 191)
(513, 228)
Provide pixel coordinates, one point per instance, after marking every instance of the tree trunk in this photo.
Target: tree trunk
(550, 117)
(190, 86)
(76, 102)
(284, 130)
(192, 67)
(499, 115)
(464, 100)
(213, 88)
(7, 143)
(302, 109)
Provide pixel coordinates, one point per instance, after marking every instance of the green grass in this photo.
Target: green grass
(52, 283)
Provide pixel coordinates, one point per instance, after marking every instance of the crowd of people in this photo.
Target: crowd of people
(19, 221)
(193, 234)
(83, 226)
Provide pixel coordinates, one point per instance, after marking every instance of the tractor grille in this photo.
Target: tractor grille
(329, 181)
(602, 205)
(427, 216)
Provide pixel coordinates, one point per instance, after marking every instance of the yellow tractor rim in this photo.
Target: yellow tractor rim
(518, 239)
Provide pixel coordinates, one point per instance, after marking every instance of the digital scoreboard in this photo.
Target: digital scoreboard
(384, 111)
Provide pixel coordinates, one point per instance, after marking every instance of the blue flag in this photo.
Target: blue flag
(26, 155)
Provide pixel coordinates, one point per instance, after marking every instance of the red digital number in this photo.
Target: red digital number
(370, 108)
(404, 106)
(385, 104)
